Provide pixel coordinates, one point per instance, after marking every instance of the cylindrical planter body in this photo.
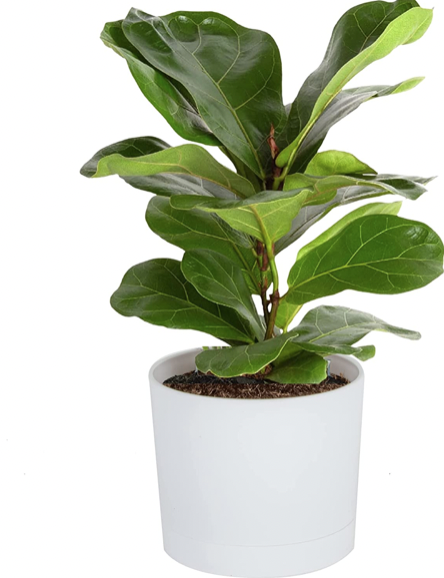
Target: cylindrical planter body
(257, 488)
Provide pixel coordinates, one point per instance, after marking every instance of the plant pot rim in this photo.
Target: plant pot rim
(354, 364)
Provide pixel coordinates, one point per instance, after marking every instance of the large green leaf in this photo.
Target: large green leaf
(189, 160)
(331, 327)
(370, 209)
(266, 216)
(408, 187)
(325, 188)
(179, 112)
(363, 35)
(220, 280)
(233, 74)
(242, 359)
(342, 105)
(329, 163)
(375, 253)
(194, 229)
(165, 184)
(157, 292)
(300, 367)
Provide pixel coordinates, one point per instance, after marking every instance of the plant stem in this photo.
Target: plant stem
(269, 247)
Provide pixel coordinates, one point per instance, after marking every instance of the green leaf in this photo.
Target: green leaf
(220, 280)
(193, 229)
(364, 35)
(376, 253)
(325, 188)
(190, 160)
(179, 112)
(370, 209)
(267, 214)
(242, 359)
(330, 163)
(301, 367)
(409, 187)
(238, 94)
(129, 148)
(328, 326)
(343, 104)
(157, 292)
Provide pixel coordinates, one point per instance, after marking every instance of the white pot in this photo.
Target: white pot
(257, 487)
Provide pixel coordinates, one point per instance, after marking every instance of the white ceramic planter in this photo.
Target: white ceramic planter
(257, 488)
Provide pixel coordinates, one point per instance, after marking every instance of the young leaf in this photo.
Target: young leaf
(187, 159)
(408, 187)
(157, 292)
(330, 163)
(220, 280)
(342, 105)
(238, 94)
(194, 229)
(267, 215)
(179, 112)
(377, 253)
(364, 35)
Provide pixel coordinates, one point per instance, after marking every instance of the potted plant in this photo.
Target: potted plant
(257, 441)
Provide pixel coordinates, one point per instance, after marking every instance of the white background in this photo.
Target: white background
(79, 489)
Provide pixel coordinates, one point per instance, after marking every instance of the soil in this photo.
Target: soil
(248, 387)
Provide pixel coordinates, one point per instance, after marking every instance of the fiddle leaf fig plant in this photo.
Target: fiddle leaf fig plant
(219, 84)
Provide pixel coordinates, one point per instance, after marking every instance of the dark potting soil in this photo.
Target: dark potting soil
(248, 387)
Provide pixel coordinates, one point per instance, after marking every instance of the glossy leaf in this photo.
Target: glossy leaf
(220, 280)
(188, 159)
(238, 94)
(161, 184)
(242, 359)
(364, 35)
(180, 113)
(370, 209)
(194, 229)
(301, 367)
(330, 163)
(376, 254)
(343, 104)
(331, 327)
(408, 187)
(267, 215)
(157, 292)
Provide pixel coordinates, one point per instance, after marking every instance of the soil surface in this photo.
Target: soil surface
(248, 387)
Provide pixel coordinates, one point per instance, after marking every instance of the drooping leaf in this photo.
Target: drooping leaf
(242, 359)
(342, 105)
(221, 281)
(165, 184)
(408, 187)
(330, 163)
(376, 253)
(194, 229)
(362, 36)
(301, 367)
(267, 215)
(157, 292)
(325, 188)
(129, 148)
(332, 327)
(180, 113)
(238, 94)
(189, 160)
(370, 209)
